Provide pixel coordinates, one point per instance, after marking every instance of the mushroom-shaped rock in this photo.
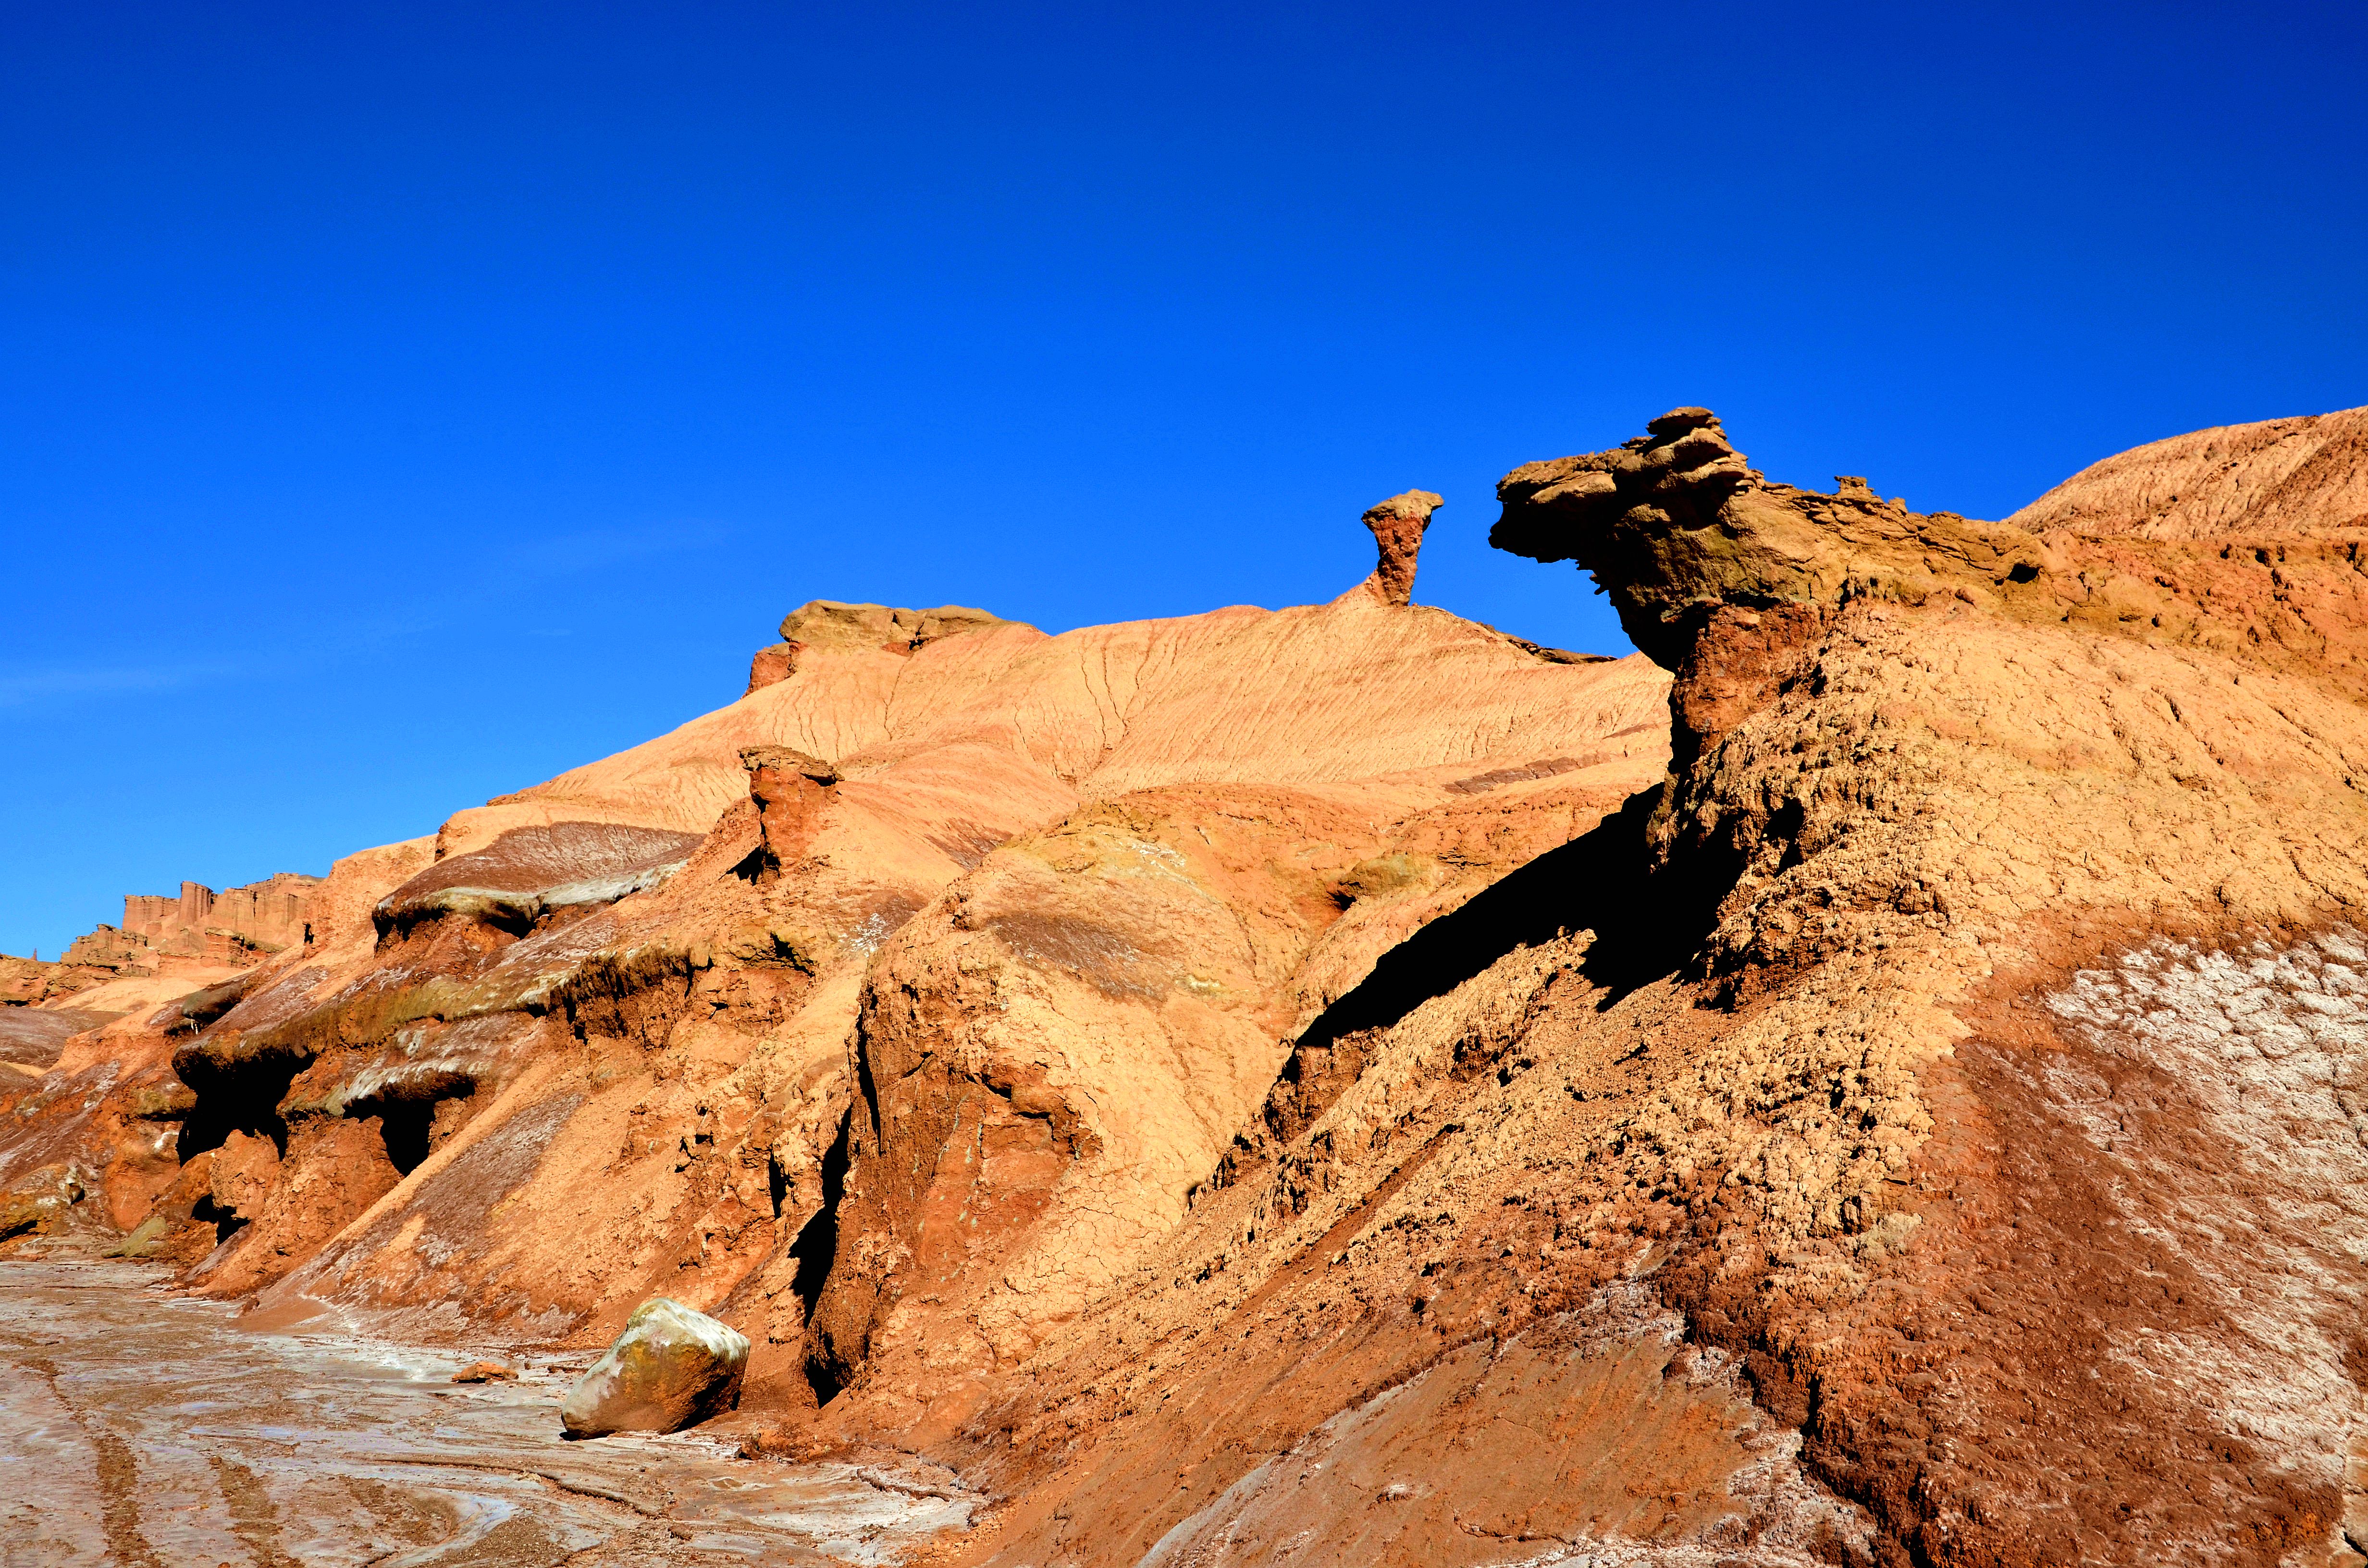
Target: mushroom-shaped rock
(1397, 524)
(1676, 523)
(671, 1367)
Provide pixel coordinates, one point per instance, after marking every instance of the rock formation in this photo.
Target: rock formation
(25, 982)
(1398, 524)
(827, 623)
(626, 998)
(193, 936)
(1355, 1085)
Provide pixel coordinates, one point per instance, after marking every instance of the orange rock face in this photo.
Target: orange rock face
(600, 1039)
(1878, 1087)
(190, 935)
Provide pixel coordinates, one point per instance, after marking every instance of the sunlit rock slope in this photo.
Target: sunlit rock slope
(1342, 1085)
(1924, 1129)
(602, 1039)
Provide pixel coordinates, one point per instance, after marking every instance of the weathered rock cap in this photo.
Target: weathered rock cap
(788, 761)
(1678, 421)
(670, 1368)
(833, 625)
(529, 872)
(1397, 524)
(1676, 523)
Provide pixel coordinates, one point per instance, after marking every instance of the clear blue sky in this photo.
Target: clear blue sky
(399, 404)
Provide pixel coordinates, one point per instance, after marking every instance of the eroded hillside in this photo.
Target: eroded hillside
(1342, 1085)
(599, 1040)
(1922, 1131)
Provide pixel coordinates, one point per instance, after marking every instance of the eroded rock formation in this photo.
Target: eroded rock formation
(165, 945)
(620, 1007)
(1398, 525)
(829, 624)
(1355, 1084)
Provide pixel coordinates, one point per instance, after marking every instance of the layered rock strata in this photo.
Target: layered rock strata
(1343, 1084)
(605, 1038)
(1948, 1067)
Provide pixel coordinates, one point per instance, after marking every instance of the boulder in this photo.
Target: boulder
(672, 1367)
(485, 1372)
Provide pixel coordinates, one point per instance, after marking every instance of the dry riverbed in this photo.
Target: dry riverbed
(151, 1430)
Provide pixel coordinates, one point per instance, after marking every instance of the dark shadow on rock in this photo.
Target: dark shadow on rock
(240, 1095)
(1648, 923)
(1599, 881)
(816, 1248)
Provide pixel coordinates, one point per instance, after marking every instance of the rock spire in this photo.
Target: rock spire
(1397, 524)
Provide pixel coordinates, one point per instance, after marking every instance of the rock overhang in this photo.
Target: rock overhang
(1676, 521)
(530, 872)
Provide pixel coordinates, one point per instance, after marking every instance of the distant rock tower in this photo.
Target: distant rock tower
(1397, 524)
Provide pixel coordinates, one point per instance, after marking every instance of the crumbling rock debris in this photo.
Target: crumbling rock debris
(485, 1372)
(38, 1201)
(23, 982)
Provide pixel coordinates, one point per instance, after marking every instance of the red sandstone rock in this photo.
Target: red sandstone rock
(1398, 524)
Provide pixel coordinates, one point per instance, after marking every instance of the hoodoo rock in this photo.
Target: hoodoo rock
(1397, 525)
(792, 791)
(671, 1367)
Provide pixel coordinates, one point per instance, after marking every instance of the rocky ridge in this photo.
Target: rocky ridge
(1343, 1083)
(625, 998)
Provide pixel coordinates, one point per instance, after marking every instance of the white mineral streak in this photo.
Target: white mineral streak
(2272, 1045)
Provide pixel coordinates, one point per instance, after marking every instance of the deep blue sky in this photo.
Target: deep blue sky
(401, 404)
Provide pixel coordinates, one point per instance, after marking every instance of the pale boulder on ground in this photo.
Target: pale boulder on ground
(672, 1367)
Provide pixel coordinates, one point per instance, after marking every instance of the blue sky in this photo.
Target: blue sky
(401, 404)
